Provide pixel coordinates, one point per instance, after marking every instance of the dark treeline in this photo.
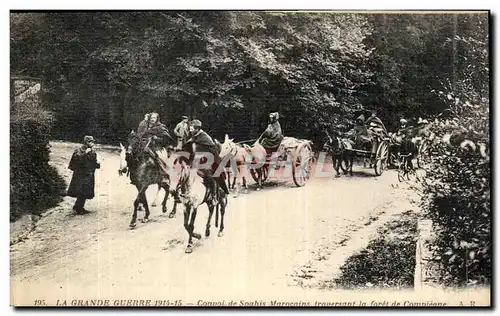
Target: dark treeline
(102, 71)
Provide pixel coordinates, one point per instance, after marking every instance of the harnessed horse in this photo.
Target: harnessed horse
(337, 146)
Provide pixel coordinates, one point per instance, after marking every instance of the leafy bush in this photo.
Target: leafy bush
(34, 185)
(457, 186)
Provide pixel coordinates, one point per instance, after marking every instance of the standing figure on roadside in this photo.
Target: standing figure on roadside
(182, 132)
(83, 163)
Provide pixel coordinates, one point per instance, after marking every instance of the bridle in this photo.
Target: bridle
(234, 149)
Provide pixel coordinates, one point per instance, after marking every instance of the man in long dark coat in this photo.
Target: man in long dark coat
(273, 135)
(157, 134)
(83, 163)
(202, 143)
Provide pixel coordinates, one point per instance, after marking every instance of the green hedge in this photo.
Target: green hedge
(34, 184)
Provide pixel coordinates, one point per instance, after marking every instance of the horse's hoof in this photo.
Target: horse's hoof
(164, 210)
(246, 191)
(220, 234)
(153, 205)
(132, 225)
(207, 233)
(145, 220)
(258, 189)
(196, 235)
(171, 215)
(337, 176)
(189, 249)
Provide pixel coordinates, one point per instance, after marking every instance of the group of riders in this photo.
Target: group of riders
(190, 136)
(153, 135)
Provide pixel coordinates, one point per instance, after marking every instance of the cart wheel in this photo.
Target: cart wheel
(381, 158)
(302, 164)
(265, 173)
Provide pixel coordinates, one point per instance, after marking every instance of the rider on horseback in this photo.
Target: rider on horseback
(201, 142)
(151, 139)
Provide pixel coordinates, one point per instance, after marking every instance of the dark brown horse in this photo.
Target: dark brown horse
(341, 157)
(145, 171)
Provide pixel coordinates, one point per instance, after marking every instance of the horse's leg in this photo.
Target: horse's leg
(210, 213)
(165, 187)
(336, 165)
(217, 217)
(192, 221)
(156, 196)
(137, 201)
(134, 215)
(223, 204)
(187, 212)
(146, 207)
(245, 184)
(236, 185)
(351, 163)
(174, 210)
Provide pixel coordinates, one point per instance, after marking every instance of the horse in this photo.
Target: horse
(145, 172)
(259, 155)
(228, 170)
(239, 155)
(338, 149)
(189, 189)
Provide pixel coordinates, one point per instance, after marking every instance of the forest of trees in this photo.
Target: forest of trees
(102, 71)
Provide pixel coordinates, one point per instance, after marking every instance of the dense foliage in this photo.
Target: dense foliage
(103, 70)
(458, 184)
(34, 184)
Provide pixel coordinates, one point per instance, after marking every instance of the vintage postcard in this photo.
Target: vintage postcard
(250, 159)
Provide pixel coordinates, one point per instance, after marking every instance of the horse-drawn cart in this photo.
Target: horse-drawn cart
(302, 158)
(376, 150)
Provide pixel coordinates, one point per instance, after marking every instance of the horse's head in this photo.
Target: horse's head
(126, 152)
(228, 147)
(332, 142)
(123, 160)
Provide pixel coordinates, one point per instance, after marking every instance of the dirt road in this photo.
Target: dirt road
(282, 241)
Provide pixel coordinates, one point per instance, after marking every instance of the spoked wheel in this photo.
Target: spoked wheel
(381, 157)
(303, 159)
(265, 173)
